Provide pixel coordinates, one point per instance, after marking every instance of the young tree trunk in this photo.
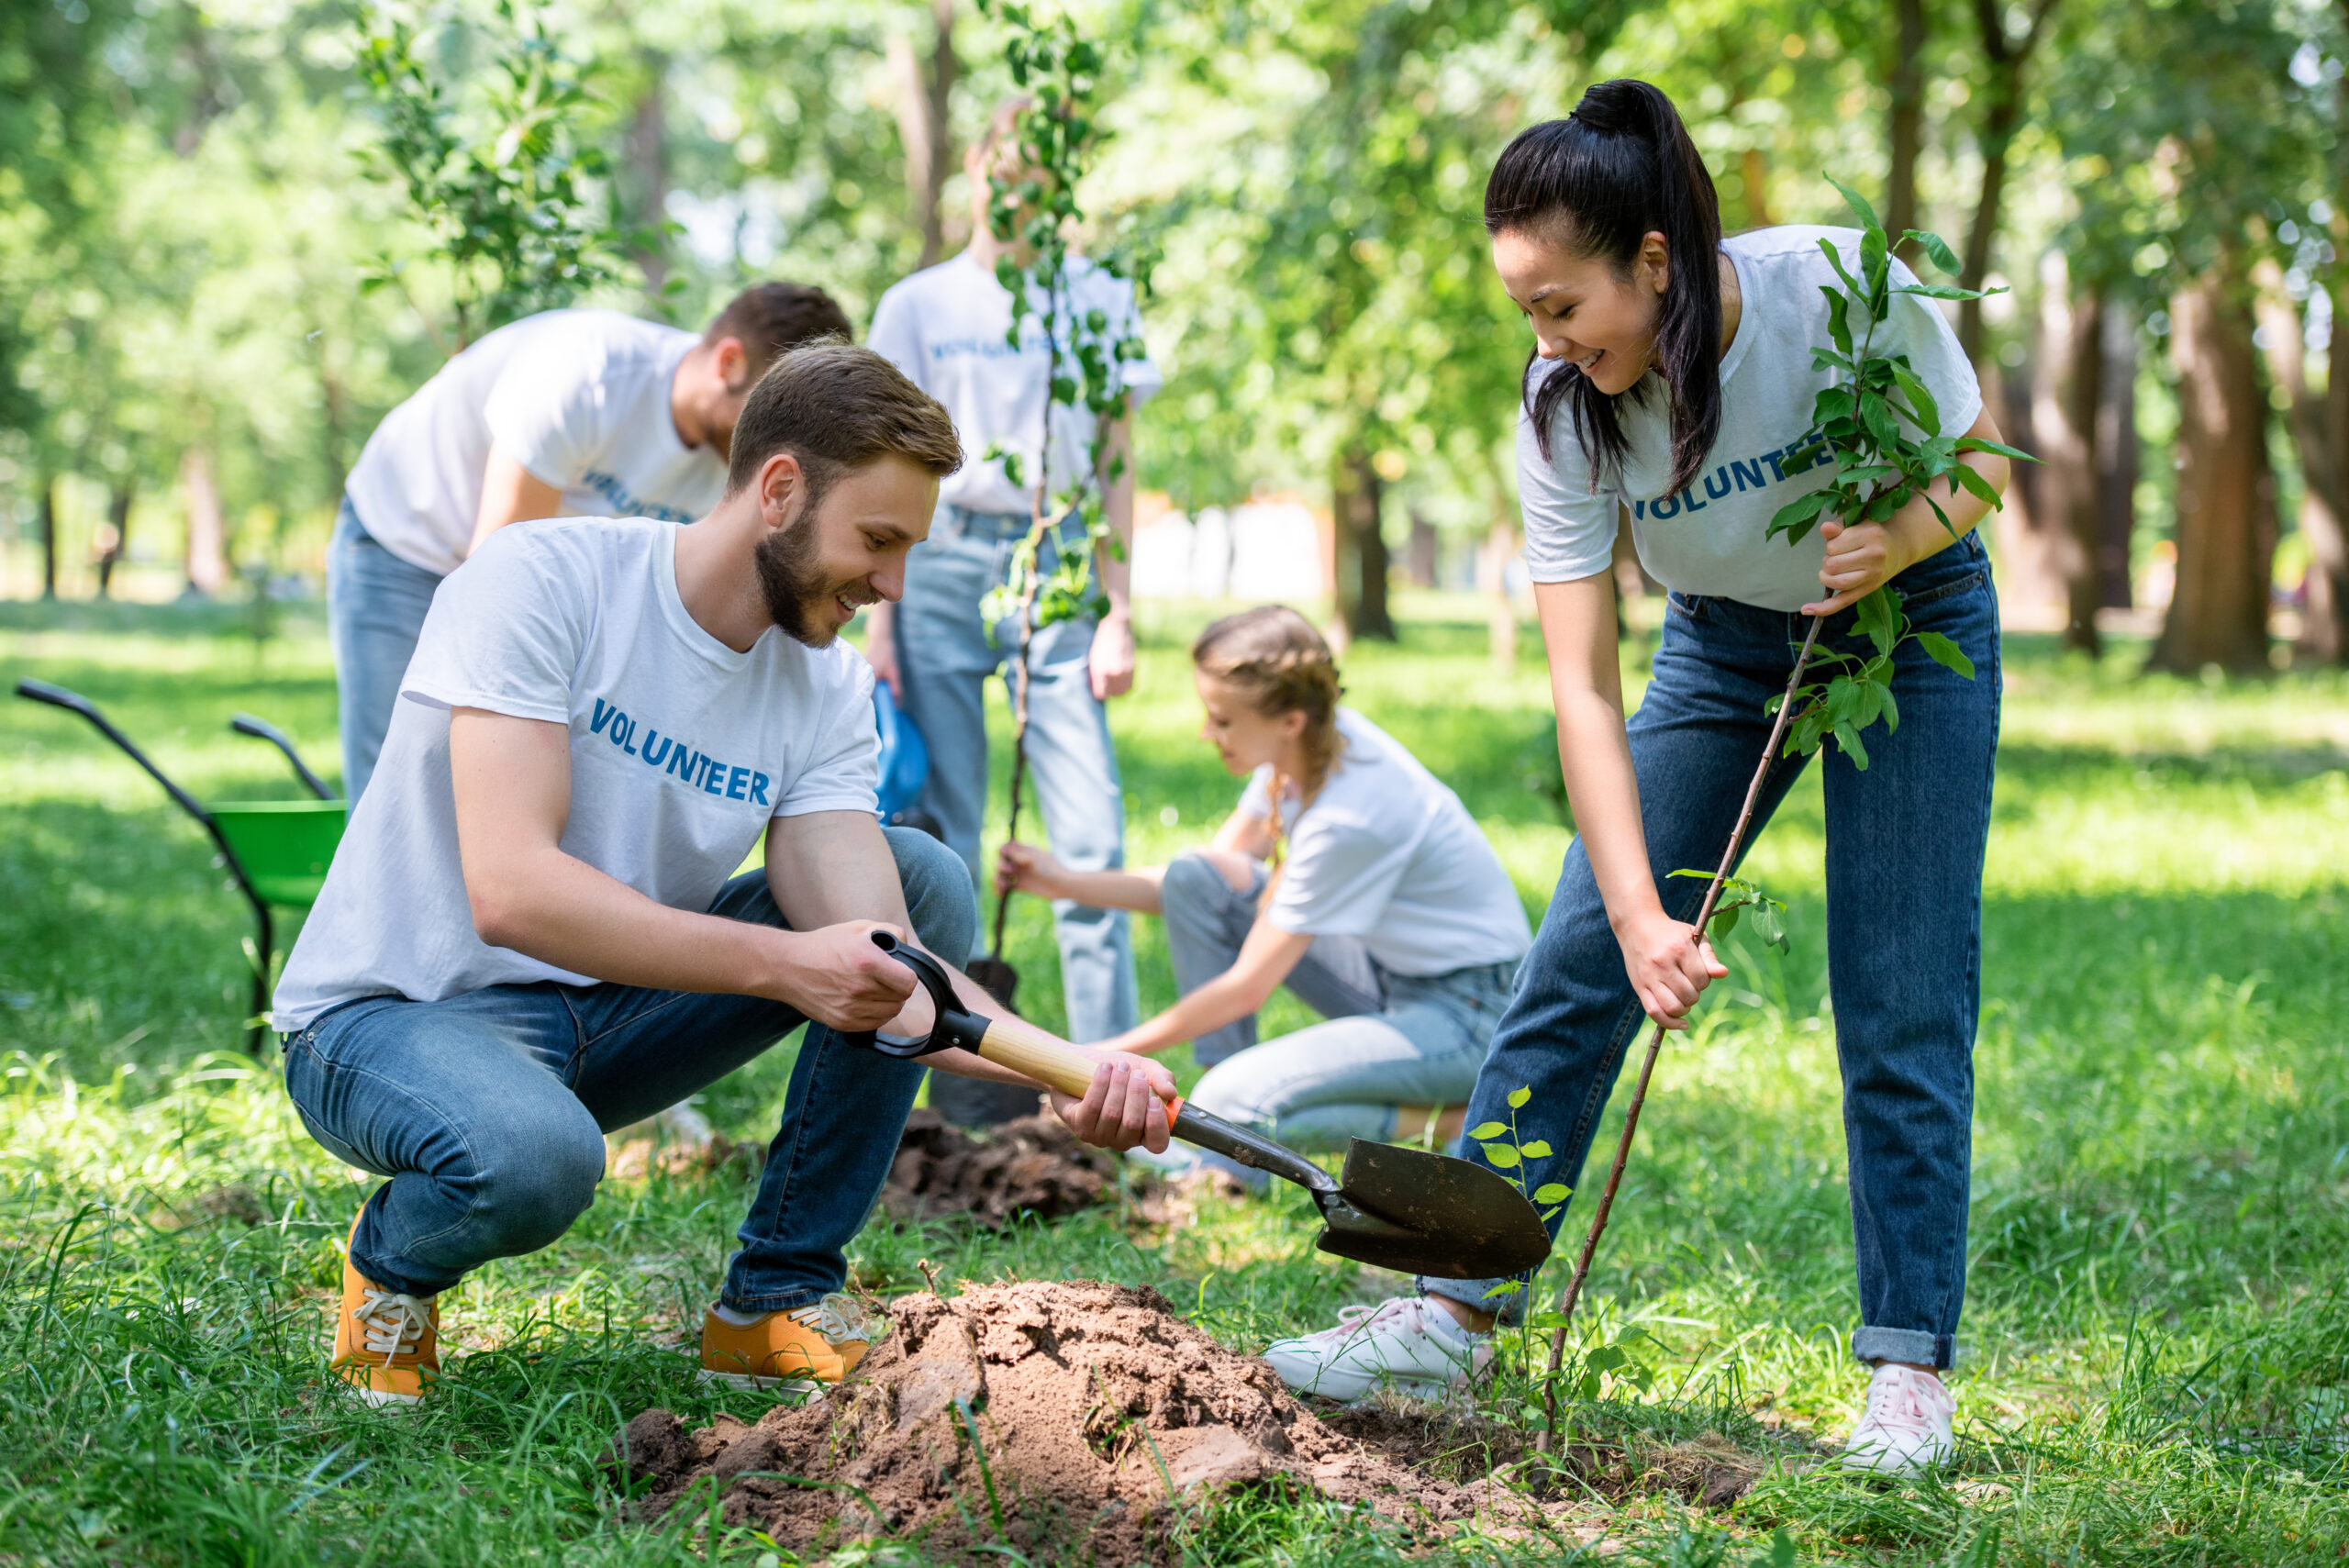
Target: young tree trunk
(49, 536)
(2066, 393)
(207, 531)
(648, 161)
(1753, 171)
(119, 540)
(2001, 117)
(2116, 447)
(1356, 494)
(1492, 575)
(1908, 125)
(2319, 425)
(2226, 503)
(923, 102)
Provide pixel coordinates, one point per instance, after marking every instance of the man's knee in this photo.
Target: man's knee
(541, 1175)
(940, 899)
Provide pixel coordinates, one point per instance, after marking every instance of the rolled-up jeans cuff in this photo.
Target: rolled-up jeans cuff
(1914, 1346)
(1476, 1295)
(777, 1301)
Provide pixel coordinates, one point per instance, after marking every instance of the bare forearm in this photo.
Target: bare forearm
(550, 906)
(1228, 998)
(1135, 888)
(1921, 531)
(1596, 755)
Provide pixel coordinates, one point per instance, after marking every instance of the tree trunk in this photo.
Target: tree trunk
(119, 540)
(648, 161)
(1492, 575)
(1754, 169)
(2007, 58)
(923, 102)
(2226, 502)
(2066, 393)
(49, 536)
(208, 532)
(2116, 448)
(1908, 115)
(1356, 494)
(2320, 425)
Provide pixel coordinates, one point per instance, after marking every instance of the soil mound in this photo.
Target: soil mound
(1034, 1164)
(1085, 1417)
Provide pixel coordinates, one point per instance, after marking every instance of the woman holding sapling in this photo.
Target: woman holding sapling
(1673, 377)
(1388, 912)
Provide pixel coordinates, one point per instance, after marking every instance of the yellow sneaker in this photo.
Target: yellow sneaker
(387, 1343)
(797, 1352)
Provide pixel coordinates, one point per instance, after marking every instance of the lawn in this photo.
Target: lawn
(2157, 1330)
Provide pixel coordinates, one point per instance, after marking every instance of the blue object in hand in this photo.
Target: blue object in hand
(905, 756)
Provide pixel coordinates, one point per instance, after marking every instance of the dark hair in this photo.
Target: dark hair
(835, 408)
(1599, 181)
(771, 319)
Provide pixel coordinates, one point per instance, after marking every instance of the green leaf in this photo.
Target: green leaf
(1798, 516)
(1937, 291)
(1839, 326)
(1517, 1098)
(1876, 413)
(1934, 246)
(1691, 871)
(1876, 266)
(1879, 621)
(1857, 202)
(1945, 652)
(1847, 740)
(1976, 444)
(1835, 260)
(1502, 1154)
(1921, 406)
(1551, 1192)
(1605, 1358)
(1891, 708)
(1725, 920)
(1537, 1150)
(1485, 1129)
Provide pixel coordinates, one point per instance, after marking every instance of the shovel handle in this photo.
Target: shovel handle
(1035, 1054)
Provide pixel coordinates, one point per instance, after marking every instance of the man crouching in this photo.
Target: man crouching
(529, 935)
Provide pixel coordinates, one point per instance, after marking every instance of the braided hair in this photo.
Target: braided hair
(1273, 657)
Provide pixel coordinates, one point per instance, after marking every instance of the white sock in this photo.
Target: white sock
(726, 1314)
(1451, 1328)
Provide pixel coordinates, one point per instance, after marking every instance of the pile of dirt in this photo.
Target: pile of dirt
(1033, 1165)
(1086, 1416)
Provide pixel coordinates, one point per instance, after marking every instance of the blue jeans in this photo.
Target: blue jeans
(487, 1111)
(946, 658)
(1391, 1040)
(376, 605)
(1905, 843)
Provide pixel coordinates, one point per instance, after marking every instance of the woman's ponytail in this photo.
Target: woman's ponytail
(1621, 167)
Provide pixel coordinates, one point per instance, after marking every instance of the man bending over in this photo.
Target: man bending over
(529, 935)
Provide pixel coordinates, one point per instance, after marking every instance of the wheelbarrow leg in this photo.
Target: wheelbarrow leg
(259, 1028)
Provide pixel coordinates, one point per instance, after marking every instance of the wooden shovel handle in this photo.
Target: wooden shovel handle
(1035, 1054)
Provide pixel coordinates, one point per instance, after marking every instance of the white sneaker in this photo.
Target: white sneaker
(1406, 1342)
(1905, 1430)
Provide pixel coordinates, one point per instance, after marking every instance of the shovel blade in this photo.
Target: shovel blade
(1429, 1213)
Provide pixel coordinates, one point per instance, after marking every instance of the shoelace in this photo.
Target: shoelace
(1361, 1318)
(1901, 1400)
(394, 1323)
(837, 1316)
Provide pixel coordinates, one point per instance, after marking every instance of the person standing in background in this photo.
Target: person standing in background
(568, 413)
(947, 328)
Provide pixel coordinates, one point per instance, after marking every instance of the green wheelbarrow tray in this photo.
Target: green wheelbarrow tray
(284, 845)
(276, 851)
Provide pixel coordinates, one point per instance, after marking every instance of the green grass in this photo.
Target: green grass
(2158, 1319)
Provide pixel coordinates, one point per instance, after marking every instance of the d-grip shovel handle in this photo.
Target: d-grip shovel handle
(1009, 1043)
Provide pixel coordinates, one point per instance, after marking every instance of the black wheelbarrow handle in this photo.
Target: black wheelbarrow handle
(75, 702)
(263, 729)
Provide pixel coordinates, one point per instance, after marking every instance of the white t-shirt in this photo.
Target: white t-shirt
(1713, 539)
(946, 327)
(1387, 853)
(681, 750)
(580, 398)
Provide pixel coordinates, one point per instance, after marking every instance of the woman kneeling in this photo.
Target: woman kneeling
(1389, 913)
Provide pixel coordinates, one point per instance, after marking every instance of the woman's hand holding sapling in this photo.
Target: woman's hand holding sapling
(1026, 868)
(1668, 965)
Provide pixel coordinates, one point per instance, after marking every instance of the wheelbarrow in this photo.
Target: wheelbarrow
(277, 850)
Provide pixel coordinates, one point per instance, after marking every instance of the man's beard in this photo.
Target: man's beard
(798, 599)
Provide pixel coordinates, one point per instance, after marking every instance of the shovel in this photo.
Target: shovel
(1394, 1208)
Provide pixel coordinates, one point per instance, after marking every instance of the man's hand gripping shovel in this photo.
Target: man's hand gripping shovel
(1396, 1208)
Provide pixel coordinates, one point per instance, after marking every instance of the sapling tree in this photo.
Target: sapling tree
(1862, 424)
(500, 179)
(1032, 210)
